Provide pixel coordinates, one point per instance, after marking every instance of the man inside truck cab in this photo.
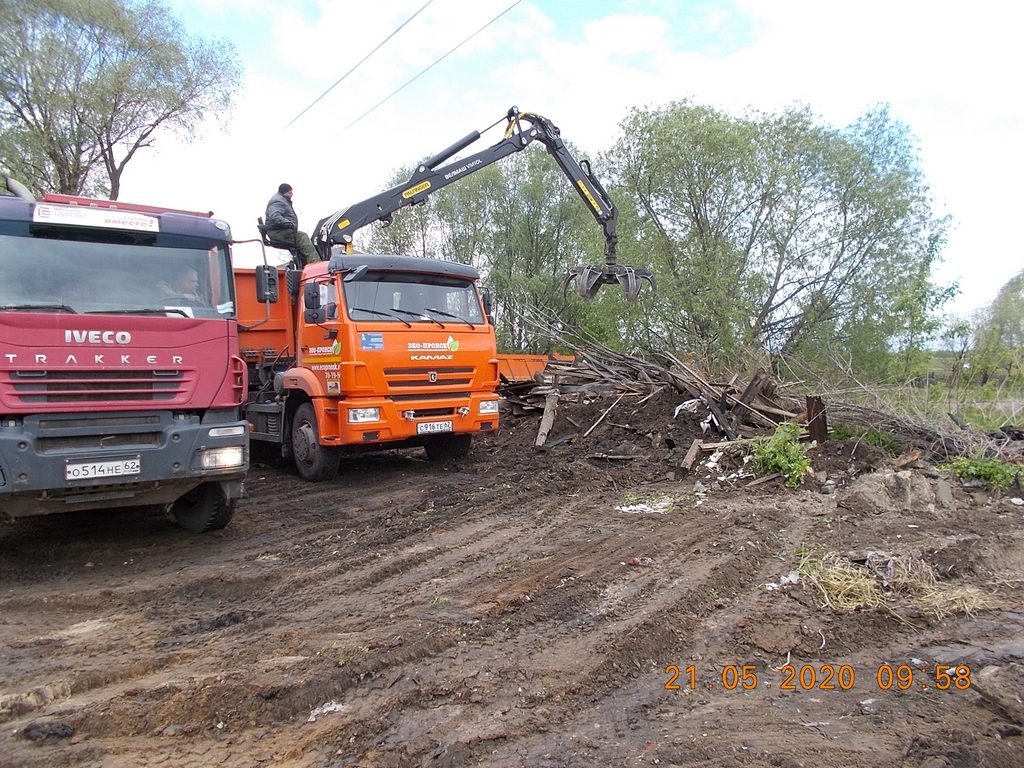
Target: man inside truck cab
(182, 284)
(283, 224)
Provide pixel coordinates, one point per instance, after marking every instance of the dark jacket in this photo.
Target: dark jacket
(281, 214)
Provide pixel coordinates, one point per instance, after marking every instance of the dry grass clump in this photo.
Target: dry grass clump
(846, 585)
(843, 585)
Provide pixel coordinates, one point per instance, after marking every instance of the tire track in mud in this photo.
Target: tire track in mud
(586, 655)
(451, 623)
(203, 592)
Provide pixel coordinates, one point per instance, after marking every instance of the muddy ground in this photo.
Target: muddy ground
(519, 608)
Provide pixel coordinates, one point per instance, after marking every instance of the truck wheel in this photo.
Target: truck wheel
(314, 461)
(203, 509)
(447, 447)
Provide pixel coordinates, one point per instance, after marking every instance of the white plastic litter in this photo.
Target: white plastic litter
(324, 709)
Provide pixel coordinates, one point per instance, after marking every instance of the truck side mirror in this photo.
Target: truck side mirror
(266, 283)
(311, 299)
(485, 295)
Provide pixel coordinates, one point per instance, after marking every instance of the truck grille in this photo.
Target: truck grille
(61, 433)
(97, 386)
(429, 376)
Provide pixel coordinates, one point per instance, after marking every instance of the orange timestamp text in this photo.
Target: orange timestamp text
(818, 677)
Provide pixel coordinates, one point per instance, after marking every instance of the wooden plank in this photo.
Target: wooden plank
(762, 480)
(691, 455)
(548, 419)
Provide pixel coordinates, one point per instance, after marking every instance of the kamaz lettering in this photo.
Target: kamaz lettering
(97, 337)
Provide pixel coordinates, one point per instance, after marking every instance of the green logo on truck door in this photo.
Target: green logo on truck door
(334, 349)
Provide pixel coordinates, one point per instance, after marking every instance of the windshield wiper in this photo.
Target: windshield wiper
(382, 314)
(140, 311)
(420, 316)
(449, 314)
(46, 307)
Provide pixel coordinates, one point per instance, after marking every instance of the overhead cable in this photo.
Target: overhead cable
(359, 63)
(438, 61)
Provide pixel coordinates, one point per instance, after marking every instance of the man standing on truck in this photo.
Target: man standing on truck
(283, 224)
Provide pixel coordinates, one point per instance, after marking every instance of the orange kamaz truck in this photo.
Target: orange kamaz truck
(363, 352)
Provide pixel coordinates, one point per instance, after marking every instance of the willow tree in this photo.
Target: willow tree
(86, 84)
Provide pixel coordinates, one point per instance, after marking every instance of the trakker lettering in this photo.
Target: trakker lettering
(72, 359)
(462, 169)
(97, 337)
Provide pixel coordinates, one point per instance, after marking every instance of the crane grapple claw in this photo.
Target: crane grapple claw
(589, 280)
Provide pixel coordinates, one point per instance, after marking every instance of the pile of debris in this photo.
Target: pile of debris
(724, 409)
(729, 410)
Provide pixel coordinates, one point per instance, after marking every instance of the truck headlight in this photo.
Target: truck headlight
(488, 406)
(363, 415)
(222, 458)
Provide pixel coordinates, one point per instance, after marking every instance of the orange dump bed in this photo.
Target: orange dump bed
(516, 368)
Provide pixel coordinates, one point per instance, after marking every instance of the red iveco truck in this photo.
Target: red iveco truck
(120, 378)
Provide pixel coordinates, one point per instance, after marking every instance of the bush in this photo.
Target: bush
(783, 453)
(991, 471)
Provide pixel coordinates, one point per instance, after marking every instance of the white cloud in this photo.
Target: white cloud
(948, 69)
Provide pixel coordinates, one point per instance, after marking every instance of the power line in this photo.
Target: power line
(438, 61)
(359, 63)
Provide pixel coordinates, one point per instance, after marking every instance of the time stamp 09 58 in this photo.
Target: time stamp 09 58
(819, 677)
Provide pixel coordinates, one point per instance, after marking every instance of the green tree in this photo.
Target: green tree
(998, 346)
(776, 233)
(86, 84)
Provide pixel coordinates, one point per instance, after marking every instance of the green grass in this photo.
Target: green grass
(882, 440)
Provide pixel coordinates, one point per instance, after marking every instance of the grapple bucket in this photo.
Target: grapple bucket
(589, 279)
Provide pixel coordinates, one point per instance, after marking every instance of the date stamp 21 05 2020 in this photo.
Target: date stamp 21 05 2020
(819, 677)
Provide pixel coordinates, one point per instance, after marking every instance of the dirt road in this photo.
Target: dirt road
(517, 608)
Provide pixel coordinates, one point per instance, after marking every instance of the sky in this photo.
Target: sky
(949, 70)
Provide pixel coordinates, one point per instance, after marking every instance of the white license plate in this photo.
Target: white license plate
(430, 427)
(90, 470)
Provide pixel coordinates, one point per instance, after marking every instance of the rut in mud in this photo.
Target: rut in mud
(517, 608)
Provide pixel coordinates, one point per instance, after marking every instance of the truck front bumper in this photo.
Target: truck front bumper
(74, 461)
(404, 421)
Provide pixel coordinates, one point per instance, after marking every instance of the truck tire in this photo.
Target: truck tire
(203, 509)
(448, 447)
(313, 461)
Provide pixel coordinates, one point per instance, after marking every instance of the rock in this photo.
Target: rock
(1000, 689)
(944, 493)
(42, 731)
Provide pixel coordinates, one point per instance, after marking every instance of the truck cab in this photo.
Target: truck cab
(120, 380)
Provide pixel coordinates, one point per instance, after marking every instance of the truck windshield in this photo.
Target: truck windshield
(193, 280)
(412, 298)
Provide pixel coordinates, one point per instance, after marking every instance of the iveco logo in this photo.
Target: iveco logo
(97, 337)
(432, 377)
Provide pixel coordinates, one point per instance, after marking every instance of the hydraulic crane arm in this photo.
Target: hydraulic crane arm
(521, 130)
